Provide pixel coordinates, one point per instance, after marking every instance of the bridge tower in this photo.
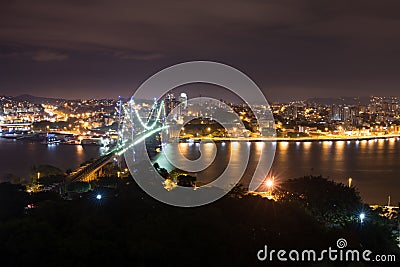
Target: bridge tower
(136, 123)
(121, 125)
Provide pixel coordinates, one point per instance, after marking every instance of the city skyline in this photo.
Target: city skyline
(230, 99)
(214, 133)
(291, 49)
(315, 128)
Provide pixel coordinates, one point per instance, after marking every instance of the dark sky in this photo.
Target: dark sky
(291, 49)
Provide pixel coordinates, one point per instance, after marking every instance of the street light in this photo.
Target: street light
(98, 197)
(350, 181)
(362, 217)
(269, 183)
(270, 186)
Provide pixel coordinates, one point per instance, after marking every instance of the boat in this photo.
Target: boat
(51, 139)
(12, 134)
(91, 141)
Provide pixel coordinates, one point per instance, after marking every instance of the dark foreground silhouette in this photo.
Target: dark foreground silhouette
(126, 227)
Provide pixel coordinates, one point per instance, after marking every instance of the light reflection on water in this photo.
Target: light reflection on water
(372, 165)
(79, 150)
(18, 157)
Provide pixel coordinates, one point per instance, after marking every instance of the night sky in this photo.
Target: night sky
(291, 49)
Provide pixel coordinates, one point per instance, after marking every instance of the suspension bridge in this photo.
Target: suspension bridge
(133, 128)
(137, 122)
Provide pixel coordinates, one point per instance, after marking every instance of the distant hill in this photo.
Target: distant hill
(37, 99)
(340, 100)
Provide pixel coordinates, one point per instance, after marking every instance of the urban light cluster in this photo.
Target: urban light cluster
(380, 116)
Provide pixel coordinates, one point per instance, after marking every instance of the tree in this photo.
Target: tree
(186, 180)
(46, 170)
(14, 179)
(331, 203)
(13, 200)
(79, 187)
(162, 171)
(175, 173)
(110, 181)
(238, 191)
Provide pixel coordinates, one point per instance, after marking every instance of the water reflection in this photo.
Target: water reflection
(183, 148)
(79, 149)
(283, 146)
(381, 143)
(51, 147)
(234, 144)
(22, 155)
(373, 165)
(307, 145)
(340, 144)
(364, 143)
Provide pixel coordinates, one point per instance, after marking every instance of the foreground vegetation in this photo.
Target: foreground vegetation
(127, 227)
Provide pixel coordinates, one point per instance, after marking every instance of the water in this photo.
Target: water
(18, 157)
(373, 165)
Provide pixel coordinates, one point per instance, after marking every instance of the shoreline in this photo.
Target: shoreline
(262, 139)
(301, 139)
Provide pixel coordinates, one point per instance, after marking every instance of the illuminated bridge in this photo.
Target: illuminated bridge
(131, 124)
(91, 171)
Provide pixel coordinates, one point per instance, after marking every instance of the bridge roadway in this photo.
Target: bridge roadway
(93, 170)
(86, 173)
